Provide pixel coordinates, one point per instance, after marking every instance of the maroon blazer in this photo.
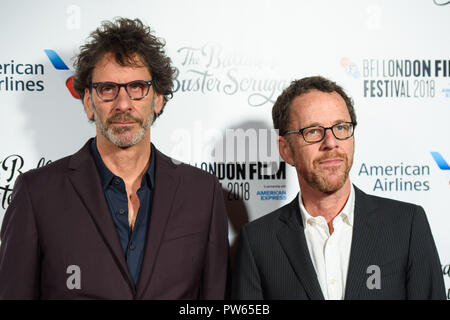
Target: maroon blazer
(59, 217)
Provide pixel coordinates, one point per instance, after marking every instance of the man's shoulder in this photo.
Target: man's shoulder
(43, 181)
(58, 168)
(387, 209)
(267, 223)
(383, 202)
(53, 169)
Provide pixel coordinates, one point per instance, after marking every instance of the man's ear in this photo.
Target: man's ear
(158, 102)
(285, 150)
(87, 103)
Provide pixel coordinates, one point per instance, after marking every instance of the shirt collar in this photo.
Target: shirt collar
(106, 175)
(347, 213)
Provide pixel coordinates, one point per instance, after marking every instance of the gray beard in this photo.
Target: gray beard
(114, 134)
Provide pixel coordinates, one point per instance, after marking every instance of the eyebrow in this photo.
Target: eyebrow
(317, 124)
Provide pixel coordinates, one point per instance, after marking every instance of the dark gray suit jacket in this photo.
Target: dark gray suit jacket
(273, 261)
(59, 217)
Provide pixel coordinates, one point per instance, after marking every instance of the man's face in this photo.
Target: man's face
(123, 121)
(324, 165)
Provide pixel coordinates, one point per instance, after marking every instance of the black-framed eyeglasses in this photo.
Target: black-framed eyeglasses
(341, 131)
(108, 91)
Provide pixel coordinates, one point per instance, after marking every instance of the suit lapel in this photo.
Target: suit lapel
(85, 179)
(166, 184)
(292, 239)
(364, 239)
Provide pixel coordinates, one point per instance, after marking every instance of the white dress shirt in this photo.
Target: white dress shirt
(330, 254)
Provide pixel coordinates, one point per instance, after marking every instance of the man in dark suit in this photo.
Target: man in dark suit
(118, 219)
(332, 241)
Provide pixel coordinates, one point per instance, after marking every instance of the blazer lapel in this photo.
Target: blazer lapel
(292, 239)
(364, 239)
(166, 185)
(85, 179)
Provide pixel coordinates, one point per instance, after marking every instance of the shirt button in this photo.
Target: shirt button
(116, 181)
(332, 282)
(121, 211)
(131, 246)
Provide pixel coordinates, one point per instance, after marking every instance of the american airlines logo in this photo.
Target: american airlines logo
(59, 64)
(440, 161)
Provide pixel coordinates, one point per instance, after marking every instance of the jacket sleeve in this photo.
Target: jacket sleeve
(216, 265)
(246, 283)
(19, 250)
(424, 278)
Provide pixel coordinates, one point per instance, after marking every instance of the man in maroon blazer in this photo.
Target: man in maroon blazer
(118, 219)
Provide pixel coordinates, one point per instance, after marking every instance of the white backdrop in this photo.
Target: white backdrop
(233, 60)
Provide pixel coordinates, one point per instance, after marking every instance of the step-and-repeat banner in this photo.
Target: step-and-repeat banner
(233, 58)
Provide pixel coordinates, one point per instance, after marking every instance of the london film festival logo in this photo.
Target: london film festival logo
(210, 69)
(239, 158)
(399, 78)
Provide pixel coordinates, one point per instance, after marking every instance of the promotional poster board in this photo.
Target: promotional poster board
(233, 58)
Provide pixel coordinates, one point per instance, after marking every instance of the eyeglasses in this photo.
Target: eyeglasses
(108, 91)
(341, 131)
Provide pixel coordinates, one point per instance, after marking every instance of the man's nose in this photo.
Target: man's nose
(329, 141)
(123, 100)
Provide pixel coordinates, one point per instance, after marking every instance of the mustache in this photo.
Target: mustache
(123, 117)
(331, 155)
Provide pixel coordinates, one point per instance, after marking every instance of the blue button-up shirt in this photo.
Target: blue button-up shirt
(132, 241)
